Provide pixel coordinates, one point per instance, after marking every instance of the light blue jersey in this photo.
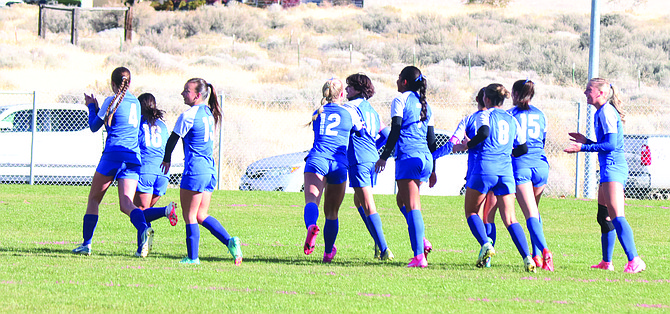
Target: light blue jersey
(332, 128)
(412, 141)
(122, 133)
(197, 129)
(495, 153)
(152, 140)
(533, 124)
(363, 149)
(613, 165)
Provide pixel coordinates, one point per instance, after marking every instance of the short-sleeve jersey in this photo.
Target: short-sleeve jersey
(122, 133)
(469, 129)
(607, 120)
(331, 131)
(363, 149)
(412, 141)
(152, 140)
(495, 154)
(533, 124)
(196, 127)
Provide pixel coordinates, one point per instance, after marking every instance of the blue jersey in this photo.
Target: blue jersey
(607, 120)
(152, 140)
(470, 129)
(331, 131)
(363, 149)
(122, 133)
(495, 153)
(533, 124)
(196, 127)
(412, 141)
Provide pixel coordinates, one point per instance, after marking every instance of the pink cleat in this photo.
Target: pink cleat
(604, 265)
(418, 261)
(427, 248)
(171, 214)
(538, 261)
(635, 266)
(548, 260)
(327, 258)
(310, 241)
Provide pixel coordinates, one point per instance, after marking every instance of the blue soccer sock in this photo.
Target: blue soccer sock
(536, 236)
(137, 219)
(192, 240)
(376, 227)
(411, 231)
(607, 241)
(153, 213)
(519, 239)
(216, 229)
(403, 210)
(477, 228)
(491, 232)
(311, 214)
(361, 212)
(418, 229)
(90, 222)
(625, 234)
(330, 229)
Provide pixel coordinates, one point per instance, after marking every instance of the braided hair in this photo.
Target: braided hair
(120, 78)
(416, 82)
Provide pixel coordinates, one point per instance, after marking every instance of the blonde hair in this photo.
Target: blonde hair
(332, 93)
(613, 97)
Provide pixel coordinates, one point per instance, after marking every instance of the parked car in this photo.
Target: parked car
(285, 173)
(64, 150)
(648, 158)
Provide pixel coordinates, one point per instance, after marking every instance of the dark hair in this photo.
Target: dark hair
(120, 78)
(496, 93)
(480, 99)
(149, 110)
(362, 84)
(522, 92)
(202, 87)
(416, 82)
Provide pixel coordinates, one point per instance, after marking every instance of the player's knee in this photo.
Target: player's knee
(605, 225)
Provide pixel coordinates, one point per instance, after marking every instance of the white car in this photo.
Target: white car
(285, 173)
(64, 150)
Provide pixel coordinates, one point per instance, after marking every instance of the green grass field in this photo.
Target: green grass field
(43, 223)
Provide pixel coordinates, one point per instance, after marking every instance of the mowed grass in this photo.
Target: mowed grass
(41, 224)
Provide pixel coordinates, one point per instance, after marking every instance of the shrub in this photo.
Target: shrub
(379, 19)
(495, 3)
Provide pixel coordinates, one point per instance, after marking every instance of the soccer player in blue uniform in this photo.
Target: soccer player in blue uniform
(413, 137)
(152, 183)
(492, 171)
(613, 173)
(326, 165)
(531, 169)
(362, 155)
(196, 126)
(120, 114)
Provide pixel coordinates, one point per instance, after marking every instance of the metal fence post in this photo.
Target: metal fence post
(222, 99)
(33, 127)
(579, 130)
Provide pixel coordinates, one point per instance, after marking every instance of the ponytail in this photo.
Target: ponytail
(120, 78)
(416, 82)
(149, 110)
(613, 95)
(214, 105)
(522, 93)
(497, 93)
(332, 92)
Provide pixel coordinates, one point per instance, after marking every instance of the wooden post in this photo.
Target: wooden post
(41, 30)
(74, 33)
(128, 25)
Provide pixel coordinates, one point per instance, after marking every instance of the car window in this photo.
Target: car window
(48, 120)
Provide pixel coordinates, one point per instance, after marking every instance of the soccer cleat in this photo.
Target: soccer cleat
(529, 264)
(234, 247)
(418, 261)
(387, 255)
(188, 261)
(310, 241)
(82, 250)
(147, 239)
(485, 252)
(427, 247)
(538, 261)
(327, 258)
(171, 214)
(604, 265)
(487, 263)
(548, 260)
(378, 252)
(635, 266)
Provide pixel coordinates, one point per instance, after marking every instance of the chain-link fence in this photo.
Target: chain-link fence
(263, 143)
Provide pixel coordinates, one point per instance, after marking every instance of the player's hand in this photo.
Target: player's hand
(577, 137)
(573, 148)
(165, 166)
(90, 99)
(432, 180)
(380, 165)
